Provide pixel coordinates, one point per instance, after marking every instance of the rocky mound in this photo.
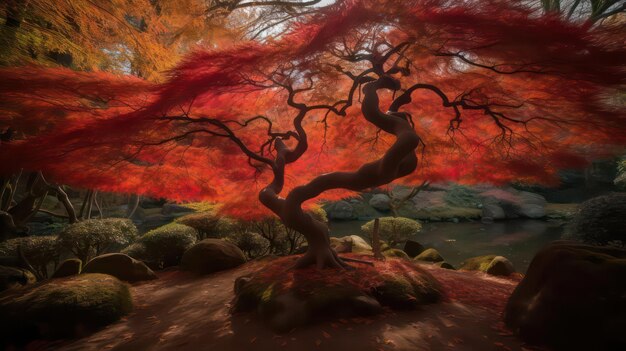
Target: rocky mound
(287, 299)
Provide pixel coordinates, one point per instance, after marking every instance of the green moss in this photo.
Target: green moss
(429, 255)
(462, 196)
(395, 253)
(61, 307)
(480, 263)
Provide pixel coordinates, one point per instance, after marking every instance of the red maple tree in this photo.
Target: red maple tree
(475, 91)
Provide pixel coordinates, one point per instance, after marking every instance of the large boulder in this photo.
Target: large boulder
(13, 277)
(68, 268)
(429, 255)
(340, 210)
(380, 202)
(120, 266)
(64, 307)
(212, 255)
(573, 297)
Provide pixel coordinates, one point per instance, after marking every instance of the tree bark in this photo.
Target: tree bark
(399, 160)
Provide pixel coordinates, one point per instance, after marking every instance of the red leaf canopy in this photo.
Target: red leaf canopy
(551, 88)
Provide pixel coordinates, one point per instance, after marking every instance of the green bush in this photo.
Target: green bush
(164, 246)
(93, 237)
(208, 224)
(393, 230)
(40, 251)
(252, 244)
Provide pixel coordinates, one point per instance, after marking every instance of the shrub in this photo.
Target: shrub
(208, 224)
(600, 221)
(164, 246)
(93, 237)
(40, 251)
(393, 230)
(252, 244)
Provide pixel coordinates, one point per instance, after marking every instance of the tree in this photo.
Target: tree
(484, 91)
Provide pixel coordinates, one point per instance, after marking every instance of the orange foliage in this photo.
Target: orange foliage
(554, 82)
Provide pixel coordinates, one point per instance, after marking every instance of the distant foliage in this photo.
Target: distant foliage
(393, 230)
(462, 196)
(40, 251)
(164, 246)
(92, 237)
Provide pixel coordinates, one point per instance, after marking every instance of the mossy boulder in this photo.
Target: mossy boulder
(14, 277)
(478, 263)
(307, 296)
(429, 255)
(500, 266)
(395, 253)
(68, 268)
(351, 243)
(490, 264)
(572, 298)
(64, 307)
(120, 266)
(212, 255)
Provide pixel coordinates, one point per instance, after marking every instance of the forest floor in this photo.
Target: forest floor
(180, 311)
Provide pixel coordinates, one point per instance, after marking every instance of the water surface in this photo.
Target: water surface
(518, 240)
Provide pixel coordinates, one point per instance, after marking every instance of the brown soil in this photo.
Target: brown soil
(180, 311)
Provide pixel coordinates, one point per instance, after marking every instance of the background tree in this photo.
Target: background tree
(485, 91)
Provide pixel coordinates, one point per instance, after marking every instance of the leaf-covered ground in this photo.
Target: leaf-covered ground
(183, 312)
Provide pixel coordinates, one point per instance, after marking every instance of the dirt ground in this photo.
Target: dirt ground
(180, 311)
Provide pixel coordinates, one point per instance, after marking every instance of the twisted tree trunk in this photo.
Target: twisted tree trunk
(400, 160)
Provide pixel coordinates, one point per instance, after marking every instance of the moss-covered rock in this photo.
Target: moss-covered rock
(14, 277)
(478, 263)
(120, 266)
(308, 295)
(490, 264)
(572, 298)
(500, 266)
(351, 243)
(64, 307)
(68, 268)
(395, 253)
(429, 255)
(212, 255)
